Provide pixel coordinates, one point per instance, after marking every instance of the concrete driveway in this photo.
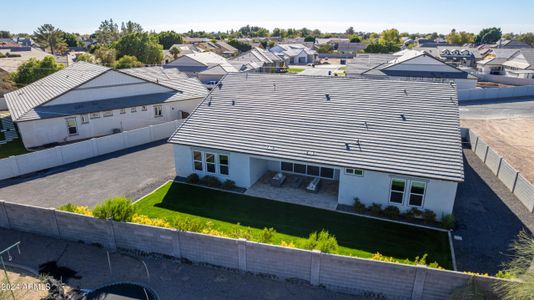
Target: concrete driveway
(132, 173)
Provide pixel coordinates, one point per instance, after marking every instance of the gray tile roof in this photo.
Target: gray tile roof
(288, 117)
(364, 62)
(23, 102)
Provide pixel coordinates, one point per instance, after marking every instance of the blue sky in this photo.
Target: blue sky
(326, 15)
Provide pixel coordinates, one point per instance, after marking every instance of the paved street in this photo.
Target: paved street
(497, 109)
(132, 173)
(170, 279)
(488, 218)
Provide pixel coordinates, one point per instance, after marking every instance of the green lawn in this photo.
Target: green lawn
(357, 236)
(14, 147)
(295, 70)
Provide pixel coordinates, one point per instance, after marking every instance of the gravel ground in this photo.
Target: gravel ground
(488, 217)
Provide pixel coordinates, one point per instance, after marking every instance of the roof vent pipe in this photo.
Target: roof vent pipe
(403, 117)
(327, 97)
(347, 146)
(274, 86)
(405, 92)
(233, 102)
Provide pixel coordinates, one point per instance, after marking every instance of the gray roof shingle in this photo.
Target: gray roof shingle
(288, 117)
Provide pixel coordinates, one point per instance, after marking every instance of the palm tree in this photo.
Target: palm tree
(49, 37)
(175, 51)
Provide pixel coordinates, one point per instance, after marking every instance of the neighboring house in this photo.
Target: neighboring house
(361, 63)
(267, 61)
(184, 49)
(85, 101)
(225, 49)
(492, 63)
(348, 47)
(209, 67)
(295, 54)
(191, 40)
(432, 43)
(520, 64)
(10, 64)
(422, 66)
(387, 142)
(511, 44)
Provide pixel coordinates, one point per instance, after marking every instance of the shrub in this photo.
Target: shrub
(412, 213)
(228, 184)
(118, 209)
(211, 181)
(142, 219)
(323, 241)
(267, 235)
(504, 275)
(359, 207)
(447, 221)
(73, 208)
(192, 178)
(392, 212)
(193, 225)
(67, 207)
(375, 209)
(429, 216)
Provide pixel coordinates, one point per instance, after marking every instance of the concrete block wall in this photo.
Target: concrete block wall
(498, 93)
(35, 161)
(341, 273)
(509, 176)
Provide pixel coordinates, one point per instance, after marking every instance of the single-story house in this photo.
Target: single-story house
(381, 141)
(11, 64)
(184, 49)
(417, 65)
(365, 61)
(209, 67)
(511, 44)
(521, 64)
(268, 61)
(493, 61)
(295, 54)
(85, 101)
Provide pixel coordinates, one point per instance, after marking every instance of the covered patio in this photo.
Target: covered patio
(293, 190)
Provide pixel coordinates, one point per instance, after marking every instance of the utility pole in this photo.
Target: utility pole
(6, 250)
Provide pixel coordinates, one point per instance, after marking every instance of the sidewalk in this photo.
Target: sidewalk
(169, 278)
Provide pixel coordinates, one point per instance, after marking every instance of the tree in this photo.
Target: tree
(87, 57)
(375, 47)
(34, 69)
(391, 36)
(324, 48)
(520, 268)
(107, 32)
(489, 36)
(350, 31)
(243, 47)
(105, 56)
(460, 38)
(49, 37)
(130, 27)
(527, 38)
(174, 51)
(128, 61)
(355, 39)
(169, 38)
(309, 38)
(141, 45)
(5, 34)
(72, 39)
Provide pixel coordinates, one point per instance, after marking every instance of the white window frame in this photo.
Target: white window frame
(352, 172)
(158, 111)
(227, 165)
(69, 126)
(306, 169)
(133, 109)
(422, 195)
(95, 115)
(214, 163)
(201, 161)
(391, 191)
(85, 118)
(107, 113)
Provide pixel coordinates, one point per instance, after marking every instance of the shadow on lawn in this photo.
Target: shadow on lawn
(369, 235)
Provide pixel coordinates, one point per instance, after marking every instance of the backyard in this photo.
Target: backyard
(356, 236)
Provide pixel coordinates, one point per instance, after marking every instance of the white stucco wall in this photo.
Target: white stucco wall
(374, 187)
(54, 130)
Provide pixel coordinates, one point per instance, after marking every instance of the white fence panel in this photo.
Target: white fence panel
(495, 93)
(39, 160)
(138, 137)
(493, 161)
(77, 151)
(481, 149)
(507, 174)
(524, 191)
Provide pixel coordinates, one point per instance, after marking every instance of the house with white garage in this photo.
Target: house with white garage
(295, 54)
(84, 101)
(521, 64)
(379, 141)
(209, 67)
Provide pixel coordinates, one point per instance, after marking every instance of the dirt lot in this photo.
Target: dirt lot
(512, 138)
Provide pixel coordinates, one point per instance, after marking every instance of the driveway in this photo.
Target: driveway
(169, 278)
(132, 173)
(488, 217)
